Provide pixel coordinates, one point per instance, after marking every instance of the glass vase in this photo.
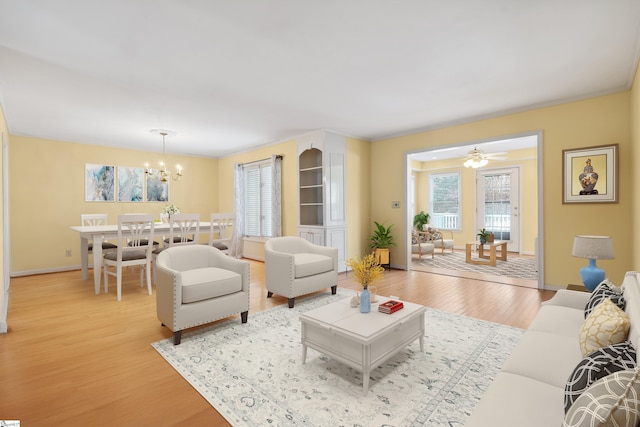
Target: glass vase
(365, 301)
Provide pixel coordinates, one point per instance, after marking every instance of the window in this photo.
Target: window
(257, 199)
(444, 200)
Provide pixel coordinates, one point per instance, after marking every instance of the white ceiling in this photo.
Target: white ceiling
(228, 76)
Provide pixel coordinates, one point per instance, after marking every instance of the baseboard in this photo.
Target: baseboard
(43, 271)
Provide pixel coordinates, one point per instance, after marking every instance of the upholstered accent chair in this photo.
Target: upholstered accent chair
(442, 239)
(198, 284)
(295, 266)
(421, 243)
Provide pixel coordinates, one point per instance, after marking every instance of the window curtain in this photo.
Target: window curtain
(276, 195)
(236, 247)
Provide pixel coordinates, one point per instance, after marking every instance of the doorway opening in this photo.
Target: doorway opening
(502, 194)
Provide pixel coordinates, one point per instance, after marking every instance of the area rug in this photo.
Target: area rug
(253, 375)
(522, 268)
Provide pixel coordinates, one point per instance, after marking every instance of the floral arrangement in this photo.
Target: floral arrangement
(171, 209)
(367, 270)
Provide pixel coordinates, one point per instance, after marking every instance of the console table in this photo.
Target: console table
(491, 258)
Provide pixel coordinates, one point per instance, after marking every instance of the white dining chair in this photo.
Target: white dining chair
(220, 232)
(134, 233)
(184, 229)
(92, 220)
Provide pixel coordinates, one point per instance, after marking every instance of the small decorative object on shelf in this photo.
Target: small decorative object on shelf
(390, 306)
(366, 271)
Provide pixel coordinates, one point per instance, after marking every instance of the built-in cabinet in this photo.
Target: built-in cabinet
(321, 191)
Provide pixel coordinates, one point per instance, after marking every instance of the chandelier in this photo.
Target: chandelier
(163, 174)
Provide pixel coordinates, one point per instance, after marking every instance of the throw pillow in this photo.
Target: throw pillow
(599, 364)
(606, 325)
(604, 290)
(610, 401)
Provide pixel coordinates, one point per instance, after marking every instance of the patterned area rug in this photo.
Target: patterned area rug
(522, 268)
(253, 375)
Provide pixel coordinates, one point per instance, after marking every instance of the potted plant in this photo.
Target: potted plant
(420, 220)
(483, 236)
(380, 241)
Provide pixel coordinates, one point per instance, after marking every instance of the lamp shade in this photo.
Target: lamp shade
(593, 247)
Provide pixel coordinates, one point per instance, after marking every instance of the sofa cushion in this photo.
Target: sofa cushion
(607, 324)
(307, 264)
(599, 364)
(610, 401)
(558, 320)
(545, 357)
(517, 401)
(604, 290)
(209, 282)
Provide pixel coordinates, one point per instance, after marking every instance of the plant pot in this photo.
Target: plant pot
(382, 256)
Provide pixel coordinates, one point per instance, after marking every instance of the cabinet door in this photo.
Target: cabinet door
(335, 184)
(314, 236)
(337, 238)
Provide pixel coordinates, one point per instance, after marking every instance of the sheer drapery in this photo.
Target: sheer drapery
(276, 195)
(236, 247)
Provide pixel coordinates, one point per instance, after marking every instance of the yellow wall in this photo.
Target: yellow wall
(591, 122)
(46, 180)
(525, 159)
(634, 232)
(358, 197)
(4, 136)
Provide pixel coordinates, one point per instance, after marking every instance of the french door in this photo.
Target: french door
(498, 204)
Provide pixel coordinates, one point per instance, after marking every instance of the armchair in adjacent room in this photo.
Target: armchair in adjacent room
(198, 284)
(442, 239)
(421, 243)
(295, 266)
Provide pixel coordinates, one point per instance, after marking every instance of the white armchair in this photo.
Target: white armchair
(295, 266)
(198, 284)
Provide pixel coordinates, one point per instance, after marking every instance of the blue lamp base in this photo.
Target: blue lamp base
(591, 275)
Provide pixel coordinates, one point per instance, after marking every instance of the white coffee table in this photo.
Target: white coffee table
(362, 341)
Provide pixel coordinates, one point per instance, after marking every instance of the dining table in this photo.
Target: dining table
(97, 233)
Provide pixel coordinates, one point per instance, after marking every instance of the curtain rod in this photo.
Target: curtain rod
(278, 156)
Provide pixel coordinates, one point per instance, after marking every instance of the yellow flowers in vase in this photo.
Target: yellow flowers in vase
(366, 270)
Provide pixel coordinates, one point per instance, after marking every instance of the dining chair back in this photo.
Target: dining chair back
(93, 220)
(184, 229)
(220, 232)
(135, 231)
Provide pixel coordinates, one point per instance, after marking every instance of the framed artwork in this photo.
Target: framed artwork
(99, 184)
(157, 191)
(590, 174)
(130, 184)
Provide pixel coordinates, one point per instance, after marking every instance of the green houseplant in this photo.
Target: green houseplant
(483, 235)
(380, 240)
(420, 220)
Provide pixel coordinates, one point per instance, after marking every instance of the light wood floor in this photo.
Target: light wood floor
(76, 359)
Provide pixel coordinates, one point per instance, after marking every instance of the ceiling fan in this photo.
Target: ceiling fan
(478, 158)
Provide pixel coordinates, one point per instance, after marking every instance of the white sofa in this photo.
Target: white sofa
(295, 266)
(529, 389)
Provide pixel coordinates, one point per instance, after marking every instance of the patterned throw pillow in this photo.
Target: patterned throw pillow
(599, 364)
(604, 290)
(610, 401)
(606, 325)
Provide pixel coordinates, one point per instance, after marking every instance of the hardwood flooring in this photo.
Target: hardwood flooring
(74, 358)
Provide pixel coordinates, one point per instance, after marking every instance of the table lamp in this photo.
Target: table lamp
(592, 248)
